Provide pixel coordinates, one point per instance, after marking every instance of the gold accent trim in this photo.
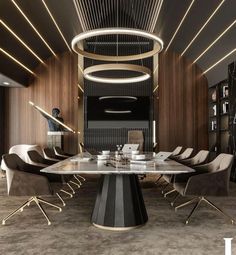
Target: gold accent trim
(117, 228)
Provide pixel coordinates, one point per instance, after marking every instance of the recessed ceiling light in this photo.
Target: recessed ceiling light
(227, 55)
(6, 83)
(218, 38)
(56, 25)
(200, 30)
(21, 41)
(17, 61)
(34, 28)
(180, 24)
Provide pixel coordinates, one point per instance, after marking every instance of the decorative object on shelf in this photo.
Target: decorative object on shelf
(77, 44)
(145, 73)
(225, 91)
(214, 110)
(225, 107)
(213, 95)
(213, 125)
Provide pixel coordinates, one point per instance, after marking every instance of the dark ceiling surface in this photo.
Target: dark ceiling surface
(74, 16)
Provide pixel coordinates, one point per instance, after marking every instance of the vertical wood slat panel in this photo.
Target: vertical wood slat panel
(55, 86)
(182, 117)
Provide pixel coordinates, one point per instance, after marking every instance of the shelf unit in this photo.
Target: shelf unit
(219, 118)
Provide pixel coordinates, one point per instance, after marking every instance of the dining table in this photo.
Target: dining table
(119, 203)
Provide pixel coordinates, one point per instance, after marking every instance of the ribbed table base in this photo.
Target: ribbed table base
(119, 204)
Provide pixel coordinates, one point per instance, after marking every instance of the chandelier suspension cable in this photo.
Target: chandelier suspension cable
(135, 23)
(117, 24)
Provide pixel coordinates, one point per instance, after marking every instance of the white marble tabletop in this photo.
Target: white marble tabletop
(80, 165)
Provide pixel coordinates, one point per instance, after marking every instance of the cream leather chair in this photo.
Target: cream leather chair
(200, 158)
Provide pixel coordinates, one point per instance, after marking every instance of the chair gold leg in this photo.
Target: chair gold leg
(66, 192)
(42, 210)
(81, 177)
(73, 191)
(77, 179)
(218, 209)
(76, 184)
(169, 192)
(59, 196)
(158, 179)
(193, 210)
(165, 187)
(175, 199)
(186, 203)
(17, 210)
(47, 203)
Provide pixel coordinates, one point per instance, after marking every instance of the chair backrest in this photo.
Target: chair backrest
(21, 150)
(49, 153)
(177, 151)
(58, 151)
(35, 157)
(186, 154)
(20, 182)
(200, 157)
(221, 162)
(12, 162)
(136, 137)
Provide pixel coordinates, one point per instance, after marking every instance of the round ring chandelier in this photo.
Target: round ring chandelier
(77, 45)
(145, 73)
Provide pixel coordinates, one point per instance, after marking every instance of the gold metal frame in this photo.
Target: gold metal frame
(38, 202)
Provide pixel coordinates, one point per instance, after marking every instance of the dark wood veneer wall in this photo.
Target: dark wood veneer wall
(182, 114)
(2, 119)
(54, 86)
(182, 117)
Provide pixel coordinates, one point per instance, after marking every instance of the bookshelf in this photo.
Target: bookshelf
(219, 118)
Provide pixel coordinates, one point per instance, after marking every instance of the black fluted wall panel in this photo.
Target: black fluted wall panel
(101, 139)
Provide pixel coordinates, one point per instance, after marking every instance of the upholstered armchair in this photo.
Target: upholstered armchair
(136, 137)
(210, 179)
(22, 181)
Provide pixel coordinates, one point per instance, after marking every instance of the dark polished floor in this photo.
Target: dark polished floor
(71, 231)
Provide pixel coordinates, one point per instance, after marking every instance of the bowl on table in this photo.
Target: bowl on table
(103, 157)
(138, 157)
(105, 152)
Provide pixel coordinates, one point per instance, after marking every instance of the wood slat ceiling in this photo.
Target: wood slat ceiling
(75, 16)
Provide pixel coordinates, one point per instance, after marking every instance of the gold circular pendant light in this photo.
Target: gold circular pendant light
(77, 43)
(145, 73)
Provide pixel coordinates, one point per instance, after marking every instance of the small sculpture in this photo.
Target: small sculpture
(53, 125)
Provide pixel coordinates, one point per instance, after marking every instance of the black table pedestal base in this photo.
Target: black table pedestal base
(119, 204)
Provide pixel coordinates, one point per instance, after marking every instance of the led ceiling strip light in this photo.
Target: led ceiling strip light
(180, 24)
(216, 40)
(227, 55)
(146, 73)
(77, 43)
(208, 20)
(17, 61)
(21, 41)
(51, 117)
(56, 25)
(30, 23)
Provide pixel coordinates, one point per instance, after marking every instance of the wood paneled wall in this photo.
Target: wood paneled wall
(54, 86)
(2, 120)
(182, 115)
